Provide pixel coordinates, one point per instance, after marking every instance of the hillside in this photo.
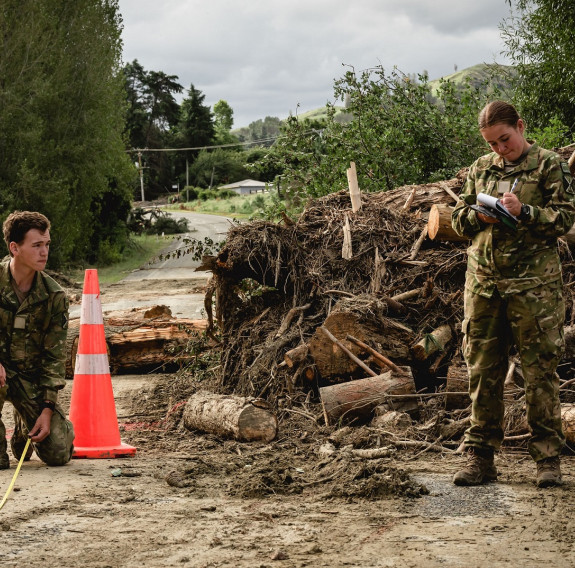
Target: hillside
(498, 75)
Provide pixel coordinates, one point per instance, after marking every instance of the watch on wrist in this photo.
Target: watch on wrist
(48, 404)
(525, 212)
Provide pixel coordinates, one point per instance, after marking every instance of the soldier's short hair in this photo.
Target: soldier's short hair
(497, 112)
(19, 223)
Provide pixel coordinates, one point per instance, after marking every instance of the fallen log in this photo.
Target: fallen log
(137, 344)
(241, 418)
(358, 399)
(432, 342)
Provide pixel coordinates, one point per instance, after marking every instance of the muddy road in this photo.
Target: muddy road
(189, 499)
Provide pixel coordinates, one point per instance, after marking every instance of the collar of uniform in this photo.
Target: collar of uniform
(38, 292)
(531, 161)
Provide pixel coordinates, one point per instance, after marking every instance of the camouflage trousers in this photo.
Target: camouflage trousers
(533, 321)
(57, 448)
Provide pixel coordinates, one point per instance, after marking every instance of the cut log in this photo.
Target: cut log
(243, 419)
(439, 226)
(355, 359)
(432, 343)
(358, 399)
(139, 344)
(296, 355)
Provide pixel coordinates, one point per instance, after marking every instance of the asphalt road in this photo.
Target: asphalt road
(201, 226)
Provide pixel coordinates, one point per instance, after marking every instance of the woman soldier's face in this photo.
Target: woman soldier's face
(507, 141)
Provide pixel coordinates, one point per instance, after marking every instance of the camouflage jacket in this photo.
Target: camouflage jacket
(514, 261)
(33, 335)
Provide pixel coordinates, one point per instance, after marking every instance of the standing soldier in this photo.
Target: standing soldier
(33, 324)
(513, 292)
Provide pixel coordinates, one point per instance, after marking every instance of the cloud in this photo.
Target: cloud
(267, 56)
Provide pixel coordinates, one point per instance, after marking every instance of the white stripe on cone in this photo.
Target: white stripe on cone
(92, 364)
(91, 310)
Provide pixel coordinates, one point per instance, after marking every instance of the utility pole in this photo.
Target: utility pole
(187, 182)
(141, 169)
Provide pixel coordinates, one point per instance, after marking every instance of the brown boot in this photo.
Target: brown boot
(4, 461)
(549, 472)
(479, 468)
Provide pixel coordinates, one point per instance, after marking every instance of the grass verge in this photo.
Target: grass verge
(141, 250)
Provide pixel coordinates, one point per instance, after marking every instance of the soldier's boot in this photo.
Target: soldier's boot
(4, 461)
(480, 468)
(19, 439)
(549, 472)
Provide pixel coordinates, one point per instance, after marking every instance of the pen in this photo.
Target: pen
(514, 185)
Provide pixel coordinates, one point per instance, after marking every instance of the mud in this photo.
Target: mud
(305, 499)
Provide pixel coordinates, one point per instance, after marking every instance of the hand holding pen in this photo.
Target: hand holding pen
(510, 200)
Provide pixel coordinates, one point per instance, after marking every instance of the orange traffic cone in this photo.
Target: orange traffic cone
(92, 406)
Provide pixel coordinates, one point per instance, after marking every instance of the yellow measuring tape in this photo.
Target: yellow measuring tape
(15, 474)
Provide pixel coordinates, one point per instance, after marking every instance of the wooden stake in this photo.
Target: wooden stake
(354, 192)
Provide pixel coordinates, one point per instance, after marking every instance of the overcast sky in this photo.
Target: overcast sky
(266, 57)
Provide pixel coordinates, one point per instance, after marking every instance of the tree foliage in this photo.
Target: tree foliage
(399, 134)
(539, 41)
(62, 115)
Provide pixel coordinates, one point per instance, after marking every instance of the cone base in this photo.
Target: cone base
(104, 452)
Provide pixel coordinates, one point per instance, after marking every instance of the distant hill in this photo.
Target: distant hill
(499, 76)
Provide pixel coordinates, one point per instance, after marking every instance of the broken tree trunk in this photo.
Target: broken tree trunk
(358, 399)
(241, 418)
(439, 225)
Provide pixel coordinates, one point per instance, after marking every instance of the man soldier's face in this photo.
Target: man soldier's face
(32, 252)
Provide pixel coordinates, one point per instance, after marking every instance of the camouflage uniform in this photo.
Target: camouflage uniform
(32, 350)
(513, 295)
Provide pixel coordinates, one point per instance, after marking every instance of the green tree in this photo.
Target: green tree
(62, 115)
(223, 122)
(218, 167)
(196, 122)
(399, 134)
(539, 41)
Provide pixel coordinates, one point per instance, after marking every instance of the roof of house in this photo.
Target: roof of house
(244, 183)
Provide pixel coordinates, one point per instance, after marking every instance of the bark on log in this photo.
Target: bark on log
(439, 225)
(568, 418)
(457, 381)
(243, 419)
(358, 399)
(432, 342)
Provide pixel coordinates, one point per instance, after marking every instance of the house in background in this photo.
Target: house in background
(246, 186)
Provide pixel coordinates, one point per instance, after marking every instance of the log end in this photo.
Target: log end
(257, 424)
